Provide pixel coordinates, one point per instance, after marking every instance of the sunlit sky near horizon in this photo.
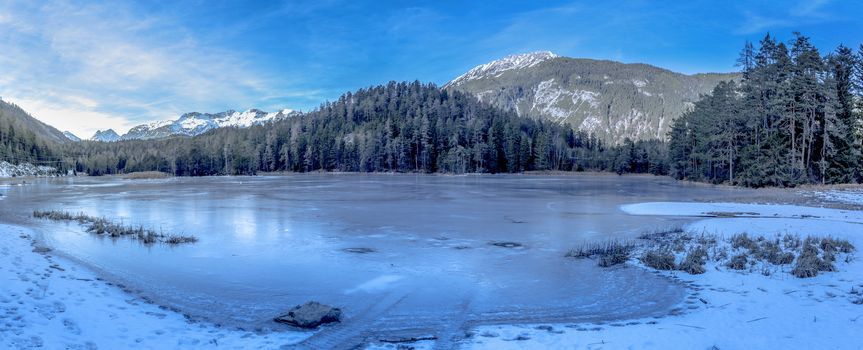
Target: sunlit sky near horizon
(82, 66)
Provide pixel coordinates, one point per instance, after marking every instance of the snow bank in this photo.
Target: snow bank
(842, 196)
(25, 169)
(52, 303)
(742, 210)
(728, 309)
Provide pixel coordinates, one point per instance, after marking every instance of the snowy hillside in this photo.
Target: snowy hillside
(195, 123)
(498, 67)
(71, 136)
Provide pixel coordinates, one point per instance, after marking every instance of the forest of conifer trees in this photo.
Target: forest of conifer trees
(398, 127)
(794, 118)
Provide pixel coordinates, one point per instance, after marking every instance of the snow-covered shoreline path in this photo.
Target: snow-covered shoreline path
(735, 310)
(49, 302)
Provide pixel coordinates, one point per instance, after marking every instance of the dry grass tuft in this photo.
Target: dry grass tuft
(105, 227)
(658, 259)
(738, 262)
(694, 261)
(609, 253)
(143, 175)
(661, 233)
(742, 251)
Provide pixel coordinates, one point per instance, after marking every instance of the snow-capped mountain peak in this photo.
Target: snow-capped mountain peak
(105, 136)
(496, 68)
(196, 123)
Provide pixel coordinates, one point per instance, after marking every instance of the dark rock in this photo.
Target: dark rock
(407, 339)
(506, 244)
(41, 249)
(360, 250)
(310, 315)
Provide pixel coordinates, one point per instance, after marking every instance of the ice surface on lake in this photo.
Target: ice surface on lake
(391, 251)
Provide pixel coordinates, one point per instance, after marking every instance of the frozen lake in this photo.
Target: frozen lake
(268, 243)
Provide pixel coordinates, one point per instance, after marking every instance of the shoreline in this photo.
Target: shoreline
(56, 301)
(773, 311)
(561, 332)
(140, 306)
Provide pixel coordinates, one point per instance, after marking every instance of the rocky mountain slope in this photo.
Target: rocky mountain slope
(69, 135)
(610, 99)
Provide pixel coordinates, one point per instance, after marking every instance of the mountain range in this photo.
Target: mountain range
(105, 136)
(611, 100)
(194, 123)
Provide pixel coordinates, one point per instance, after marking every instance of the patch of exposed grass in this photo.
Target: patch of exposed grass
(742, 240)
(808, 262)
(658, 259)
(142, 175)
(179, 239)
(791, 241)
(608, 253)
(731, 214)
(808, 257)
(738, 262)
(835, 245)
(661, 233)
(771, 251)
(694, 261)
(105, 227)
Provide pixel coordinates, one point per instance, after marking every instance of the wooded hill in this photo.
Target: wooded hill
(398, 127)
(23, 139)
(794, 118)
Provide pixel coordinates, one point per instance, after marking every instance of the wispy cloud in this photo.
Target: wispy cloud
(83, 67)
(801, 13)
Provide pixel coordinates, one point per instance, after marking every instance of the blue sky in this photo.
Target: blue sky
(83, 66)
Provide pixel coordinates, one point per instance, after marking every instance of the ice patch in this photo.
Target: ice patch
(376, 284)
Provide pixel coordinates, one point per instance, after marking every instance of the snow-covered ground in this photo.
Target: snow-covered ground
(24, 169)
(730, 309)
(52, 303)
(848, 196)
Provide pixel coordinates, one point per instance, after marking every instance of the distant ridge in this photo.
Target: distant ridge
(195, 123)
